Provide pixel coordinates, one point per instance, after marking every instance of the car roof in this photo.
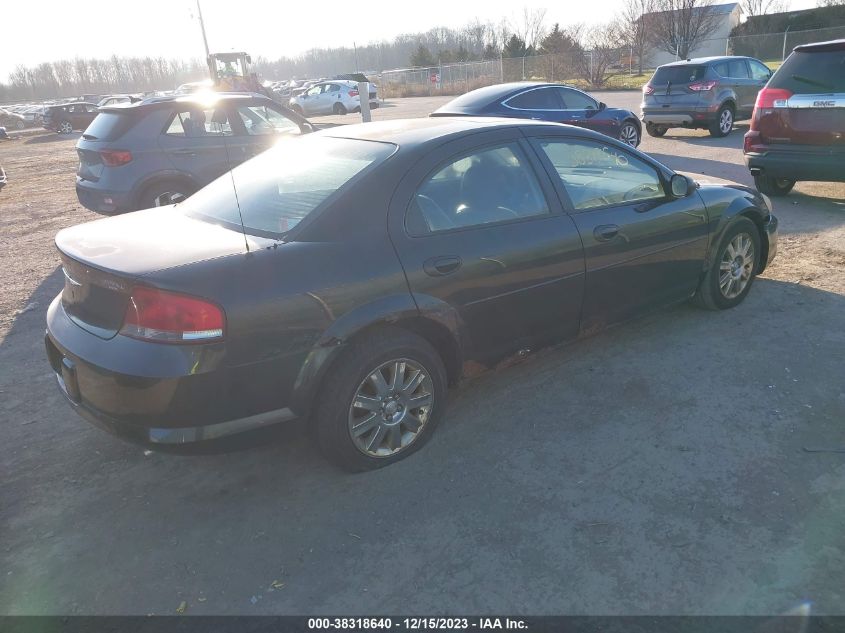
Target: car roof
(705, 60)
(202, 99)
(484, 96)
(417, 132)
(70, 103)
(822, 47)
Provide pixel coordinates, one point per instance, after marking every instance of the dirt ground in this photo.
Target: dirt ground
(681, 464)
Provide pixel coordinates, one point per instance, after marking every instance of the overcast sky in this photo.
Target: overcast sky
(47, 30)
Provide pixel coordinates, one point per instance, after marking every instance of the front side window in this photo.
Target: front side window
(597, 175)
(758, 70)
(491, 185)
(277, 189)
(196, 122)
(539, 99)
(260, 120)
(313, 92)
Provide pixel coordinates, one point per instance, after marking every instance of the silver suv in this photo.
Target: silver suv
(708, 92)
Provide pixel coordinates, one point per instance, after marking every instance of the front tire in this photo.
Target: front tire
(773, 186)
(19, 125)
(733, 268)
(724, 122)
(65, 127)
(656, 130)
(382, 400)
(629, 134)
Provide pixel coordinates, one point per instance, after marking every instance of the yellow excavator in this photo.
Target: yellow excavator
(230, 73)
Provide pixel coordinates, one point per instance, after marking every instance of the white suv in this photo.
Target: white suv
(328, 97)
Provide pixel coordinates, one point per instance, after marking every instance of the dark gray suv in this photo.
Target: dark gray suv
(140, 155)
(708, 92)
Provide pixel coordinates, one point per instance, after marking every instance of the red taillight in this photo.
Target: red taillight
(767, 100)
(353, 93)
(115, 157)
(702, 86)
(169, 317)
(647, 89)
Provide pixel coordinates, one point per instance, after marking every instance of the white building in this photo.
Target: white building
(727, 16)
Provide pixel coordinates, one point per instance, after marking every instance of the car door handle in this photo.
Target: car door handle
(440, 266)
(605, 232)
(184, 152)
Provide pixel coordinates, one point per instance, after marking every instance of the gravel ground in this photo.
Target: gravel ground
(658, 468)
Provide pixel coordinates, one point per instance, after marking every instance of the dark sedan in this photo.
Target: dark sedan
(66, 118)
(352, 274)
(553, 103)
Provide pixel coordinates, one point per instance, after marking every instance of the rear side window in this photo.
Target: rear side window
(737, 69)
(195, 122)
(108, 126)
(541, 99)
(806, 72)
(277, 189)
(678, 74)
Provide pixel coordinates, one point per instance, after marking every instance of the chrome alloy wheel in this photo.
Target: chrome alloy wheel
(726, 121)
(65, 127)
(628, 134)
(736, 266)
(390, 408)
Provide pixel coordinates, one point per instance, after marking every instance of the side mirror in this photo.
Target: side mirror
(602, 106)
(681, 186)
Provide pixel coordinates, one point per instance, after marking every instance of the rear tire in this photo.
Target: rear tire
(724, 122)
(656, 130)
(385, 418)
(65, 127)
(19, 125)
(731, 273)
(773, 186)
(339, 108)
(150, 196)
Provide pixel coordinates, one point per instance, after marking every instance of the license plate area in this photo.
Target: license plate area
(65, 372)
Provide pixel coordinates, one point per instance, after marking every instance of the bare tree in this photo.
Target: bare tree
(829, 3)
(634, 26)
(530, 26)
(680, 26)
(763, 7)
(600, 49)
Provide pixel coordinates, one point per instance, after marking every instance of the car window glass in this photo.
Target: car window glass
(197, 122)
(597, 175)
(491, 185)
(721, 69)
(737, 69)
(281, 186)
(811, 72)
(259, 120)
(576, 100)
(758, 70)
(682, 74)
(540, 99)
(334, 88)
(314, 91)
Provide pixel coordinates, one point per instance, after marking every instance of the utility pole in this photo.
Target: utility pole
(355, 46)
(202, 28)
(783, 53)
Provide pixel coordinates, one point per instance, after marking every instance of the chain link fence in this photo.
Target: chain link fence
(458, 78)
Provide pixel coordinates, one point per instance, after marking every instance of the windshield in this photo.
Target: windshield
(276, 190)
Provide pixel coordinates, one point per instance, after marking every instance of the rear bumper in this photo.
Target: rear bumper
(101, 200)
(798, 165)
(151, 393)
(688, 117)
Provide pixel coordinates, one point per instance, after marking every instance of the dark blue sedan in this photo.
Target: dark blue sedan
(546, 102)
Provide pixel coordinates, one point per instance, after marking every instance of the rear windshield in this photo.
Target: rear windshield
(108, 126)
(678, 74)
(806, 72)
(276, 190)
